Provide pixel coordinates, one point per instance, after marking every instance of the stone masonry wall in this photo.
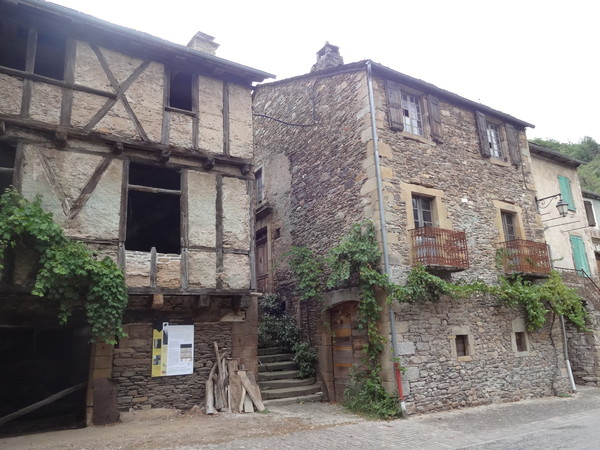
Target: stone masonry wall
(132, 368)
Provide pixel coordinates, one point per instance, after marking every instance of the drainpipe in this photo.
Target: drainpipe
(566, 351)
(383, 230)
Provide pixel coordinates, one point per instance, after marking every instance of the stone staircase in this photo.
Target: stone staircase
(278, 378)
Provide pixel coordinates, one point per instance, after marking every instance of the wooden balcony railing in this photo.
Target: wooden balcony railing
(526, 257)
(439, 248)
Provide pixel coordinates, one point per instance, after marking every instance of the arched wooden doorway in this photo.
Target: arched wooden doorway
(347, 344)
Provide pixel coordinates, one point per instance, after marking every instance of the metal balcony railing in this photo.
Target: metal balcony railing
(437, 247)
(526, 257)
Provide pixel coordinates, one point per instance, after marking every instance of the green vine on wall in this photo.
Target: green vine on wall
(67, 272)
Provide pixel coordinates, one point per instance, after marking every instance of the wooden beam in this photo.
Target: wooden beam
(41, 403)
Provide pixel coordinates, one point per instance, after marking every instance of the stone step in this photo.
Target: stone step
(291, 400)
(285, 383)
(268, 344)
(297, 391)
(266, 359)
(275, 366)
(269, 351)
(279, 375)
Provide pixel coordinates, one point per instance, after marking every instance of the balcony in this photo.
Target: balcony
(439, 249)
(525, 257)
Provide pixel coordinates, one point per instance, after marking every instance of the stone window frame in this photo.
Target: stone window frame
(519, 326)
(438, 207)
(429, 110)
(470, 347)
(504, 207)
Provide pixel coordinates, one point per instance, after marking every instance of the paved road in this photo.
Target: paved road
(554, 423)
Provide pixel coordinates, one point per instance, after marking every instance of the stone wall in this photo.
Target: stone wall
(132, 368)
(320, 179)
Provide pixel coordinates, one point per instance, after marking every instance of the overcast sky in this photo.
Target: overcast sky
(536, 60)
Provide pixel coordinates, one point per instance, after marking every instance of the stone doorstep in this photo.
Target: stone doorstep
(290, 392)
(278, 375)
(317, 397)
(269, 351)
(281, 365)
(266, 359)
(285, 383)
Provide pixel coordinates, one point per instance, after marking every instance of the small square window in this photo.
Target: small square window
(462, 345)
(521, 341)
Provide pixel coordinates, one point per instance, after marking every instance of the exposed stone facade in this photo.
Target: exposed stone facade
(317, 161)
(132, 120)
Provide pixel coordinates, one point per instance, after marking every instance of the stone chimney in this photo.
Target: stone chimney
(204, 43)
(329, 56)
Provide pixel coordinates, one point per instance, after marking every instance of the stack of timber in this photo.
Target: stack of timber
(230, 388)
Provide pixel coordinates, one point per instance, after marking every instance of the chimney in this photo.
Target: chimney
(329, 56)
(204, 43)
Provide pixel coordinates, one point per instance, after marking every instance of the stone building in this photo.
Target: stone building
(142, 149)
(447, 182)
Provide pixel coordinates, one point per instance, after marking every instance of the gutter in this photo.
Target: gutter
(383, 230)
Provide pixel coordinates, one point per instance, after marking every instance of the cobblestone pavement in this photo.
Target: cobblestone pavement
(539, 423)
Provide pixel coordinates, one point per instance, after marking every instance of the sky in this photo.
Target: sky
(533, 59)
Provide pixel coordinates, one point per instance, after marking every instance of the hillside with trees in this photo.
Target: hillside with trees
(586, 150)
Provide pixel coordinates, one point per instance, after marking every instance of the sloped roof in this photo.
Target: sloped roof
(554, 155)
(131, 37)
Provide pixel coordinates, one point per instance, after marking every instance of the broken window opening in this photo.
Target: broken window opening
(8, 154)
(180, 92)
(493, 134)
(411, 112)
(13, 45)
(153, 209)
(50, 56)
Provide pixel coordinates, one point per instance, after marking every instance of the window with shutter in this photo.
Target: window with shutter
(589, 212)
(579, 256)
(565, 190)
(498, 140)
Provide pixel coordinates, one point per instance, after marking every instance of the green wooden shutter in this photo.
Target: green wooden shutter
(579, 256)
(565, 190)
(394, 97)
(482, 130)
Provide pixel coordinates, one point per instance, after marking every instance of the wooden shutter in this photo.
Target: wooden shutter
(482, 129)
(435, 120)
(565, 190)
(579, 256)
(589, 212)
(512, 136)
(394, 97)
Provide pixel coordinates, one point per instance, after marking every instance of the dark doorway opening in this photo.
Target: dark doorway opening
(37, 363)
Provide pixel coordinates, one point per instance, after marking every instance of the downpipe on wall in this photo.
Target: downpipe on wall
(566, 352)
(383, 230)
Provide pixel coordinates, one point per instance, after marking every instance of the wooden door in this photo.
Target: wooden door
(347, 344)
(262, 261)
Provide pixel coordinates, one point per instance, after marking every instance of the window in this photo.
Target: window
(564, 184)
(422, 211)
(494, 141)
(413, 113)
(462, 345)
(521, 341)
(589, 213)
(579, 256)
(259, 186)
(7, 165)
(509, 227)
(153, 209)
(50, 50)
(498, 140)
(180, 91)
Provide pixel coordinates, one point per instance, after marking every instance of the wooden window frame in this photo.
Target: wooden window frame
(508, 145)
(508, 208)
(418, 210)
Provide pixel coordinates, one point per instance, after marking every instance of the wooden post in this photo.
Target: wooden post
(210, 399)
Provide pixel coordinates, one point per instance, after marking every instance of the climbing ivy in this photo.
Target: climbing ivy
(67, 272)
(540, 299)
(308, 271)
